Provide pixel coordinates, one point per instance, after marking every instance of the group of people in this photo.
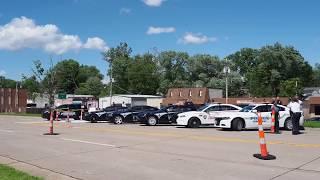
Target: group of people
(295, 106)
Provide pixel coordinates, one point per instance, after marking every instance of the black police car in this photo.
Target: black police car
(103, 115)
(165, 115)
(74, 111)
(129, 115)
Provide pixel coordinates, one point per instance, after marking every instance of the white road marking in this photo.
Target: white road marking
(88, 142)
(8, 131)
(34, 122)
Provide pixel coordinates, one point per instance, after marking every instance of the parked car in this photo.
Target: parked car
(103, 115)
(73, 110)
(247, 118)
(313, 119)
(165, 115)
(129, 115)
(204, 115)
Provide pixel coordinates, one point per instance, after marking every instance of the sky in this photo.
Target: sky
(81, 29)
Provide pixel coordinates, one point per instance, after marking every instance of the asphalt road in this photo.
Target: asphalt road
(105, 151)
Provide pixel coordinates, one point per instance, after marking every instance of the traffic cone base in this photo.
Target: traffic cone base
(268, 157)
(51, 134)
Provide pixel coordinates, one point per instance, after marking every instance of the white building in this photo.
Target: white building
(131, 100)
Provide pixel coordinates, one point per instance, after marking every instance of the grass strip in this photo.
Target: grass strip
(312, 124)
(9, 173)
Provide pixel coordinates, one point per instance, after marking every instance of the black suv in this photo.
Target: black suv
(165, 115)
(129, 115)
(74, 111)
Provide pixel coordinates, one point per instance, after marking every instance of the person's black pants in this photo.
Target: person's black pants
(276, 122)
(295, 122)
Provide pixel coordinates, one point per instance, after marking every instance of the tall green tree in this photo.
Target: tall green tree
(67, 72)
(7, 83)
(32, 85)
(173, 72)
(143, 75)
(316, 76)
(93, 86)
(119, 62)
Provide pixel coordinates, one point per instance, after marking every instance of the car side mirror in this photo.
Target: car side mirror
(254, 111)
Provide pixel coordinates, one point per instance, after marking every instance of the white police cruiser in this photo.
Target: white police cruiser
(247, 118)
(204, 115)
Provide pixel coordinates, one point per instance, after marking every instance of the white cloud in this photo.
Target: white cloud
(153, 3)
(191, 38)
(95, 43)
(159, 30)
(23, 33)
(2, 73)
(124, 11)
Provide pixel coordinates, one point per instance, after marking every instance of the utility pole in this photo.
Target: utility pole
(110, 60)
(226, 70)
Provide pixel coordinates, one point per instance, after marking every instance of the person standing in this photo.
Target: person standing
(296, 110)
(278, 101)
(276, 117)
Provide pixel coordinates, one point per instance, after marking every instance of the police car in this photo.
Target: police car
(247, 118)
(204, 115)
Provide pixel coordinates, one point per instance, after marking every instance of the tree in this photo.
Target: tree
(316, 75)
(67, 72)
(93, 86)
(85, 72)
(202, 68)
(172, 70)
(119, 62)
(7, 83)
(47, 79)
(143, 76)
(32, 85)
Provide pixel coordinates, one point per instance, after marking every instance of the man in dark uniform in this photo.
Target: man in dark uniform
(276, 117)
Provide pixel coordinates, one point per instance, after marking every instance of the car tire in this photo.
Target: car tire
(152, 121)
(237, 124)
(118, 120)
(194, 123)
(288, 124)
(94, 119)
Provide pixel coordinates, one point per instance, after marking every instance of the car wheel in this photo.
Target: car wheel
(288, 124)
(237, 124)
(75, 117)
(152, 121)
(93, 119)
(118, 120)
(194, 123)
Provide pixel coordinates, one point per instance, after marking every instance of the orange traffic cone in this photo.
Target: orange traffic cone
(264, 155)
(273, 120)
(51, 125)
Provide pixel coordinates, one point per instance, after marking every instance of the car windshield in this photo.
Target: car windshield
(247, 109)
(202, 107)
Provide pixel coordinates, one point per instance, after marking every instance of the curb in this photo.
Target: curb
(34, 170)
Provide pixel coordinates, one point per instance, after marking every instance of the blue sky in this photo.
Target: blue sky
(81, 29)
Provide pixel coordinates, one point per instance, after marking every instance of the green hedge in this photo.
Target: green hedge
(312, 124)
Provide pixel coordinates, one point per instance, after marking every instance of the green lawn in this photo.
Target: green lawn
(312, 124)
(21, 114)
(8, 173)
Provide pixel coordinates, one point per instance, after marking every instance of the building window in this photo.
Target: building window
(190, 93)
(200, 93)
(180, 93)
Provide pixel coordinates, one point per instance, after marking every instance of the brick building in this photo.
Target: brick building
(13, 100)
(198, 96)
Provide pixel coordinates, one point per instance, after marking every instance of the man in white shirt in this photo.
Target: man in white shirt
(295, 111)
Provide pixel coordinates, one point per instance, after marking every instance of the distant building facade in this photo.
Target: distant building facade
(13, 100)
(131, 100)
(198, 96)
